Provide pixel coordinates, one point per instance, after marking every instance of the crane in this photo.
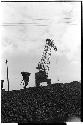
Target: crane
(43, 65)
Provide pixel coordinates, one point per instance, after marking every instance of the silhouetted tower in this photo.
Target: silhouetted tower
(7, 74)
(43, 65)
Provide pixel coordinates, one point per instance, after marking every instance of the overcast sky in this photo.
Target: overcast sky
(24, 29)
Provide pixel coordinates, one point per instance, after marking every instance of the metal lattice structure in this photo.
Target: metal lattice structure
(45, 60)
(43, 65)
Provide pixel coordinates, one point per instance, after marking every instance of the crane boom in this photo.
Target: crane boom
(43, 65)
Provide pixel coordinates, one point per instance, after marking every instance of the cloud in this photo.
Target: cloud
(67, 36)
(28, 36)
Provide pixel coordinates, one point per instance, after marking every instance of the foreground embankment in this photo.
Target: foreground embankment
(55, 103)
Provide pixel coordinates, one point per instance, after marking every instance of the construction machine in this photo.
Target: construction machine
(43, 65)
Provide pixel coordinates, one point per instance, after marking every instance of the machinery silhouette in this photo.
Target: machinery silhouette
(43, 65)
(25, 78)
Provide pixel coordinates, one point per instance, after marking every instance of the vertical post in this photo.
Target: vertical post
(7, 78)
(7, 75)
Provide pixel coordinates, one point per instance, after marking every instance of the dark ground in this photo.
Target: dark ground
(44, 104)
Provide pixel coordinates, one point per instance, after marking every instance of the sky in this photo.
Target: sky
(24, 29)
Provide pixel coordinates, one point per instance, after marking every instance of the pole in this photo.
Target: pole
(7, 78)
(7, 75)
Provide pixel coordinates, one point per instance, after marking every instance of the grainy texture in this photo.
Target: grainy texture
(44, 104)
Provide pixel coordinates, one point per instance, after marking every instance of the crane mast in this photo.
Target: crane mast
(45, 60)
(43, 65)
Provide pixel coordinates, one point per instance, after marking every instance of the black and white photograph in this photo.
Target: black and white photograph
(40, 47)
